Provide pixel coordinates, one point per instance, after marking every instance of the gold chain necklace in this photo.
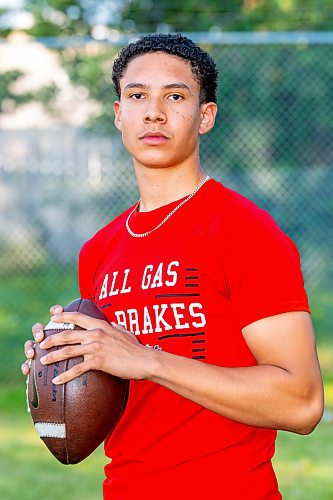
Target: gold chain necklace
(142, 235)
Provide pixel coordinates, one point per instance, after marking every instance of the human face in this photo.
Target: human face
(159, 113)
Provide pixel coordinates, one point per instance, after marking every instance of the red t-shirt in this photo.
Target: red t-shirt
(218, 264)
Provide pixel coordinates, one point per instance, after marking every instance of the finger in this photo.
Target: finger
(29, 350)
(64, 353)
(38, 332)
(71, 374)
(66, 337)
(56, 309)
(120, 328)
(25, 367)
(80, 319)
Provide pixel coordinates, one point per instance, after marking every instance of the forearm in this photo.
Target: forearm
(284, 391)
(262, 396)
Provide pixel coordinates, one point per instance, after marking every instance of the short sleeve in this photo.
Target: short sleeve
(262, 269)
(85, 273)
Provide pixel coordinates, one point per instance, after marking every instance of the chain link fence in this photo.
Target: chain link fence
(64, 172)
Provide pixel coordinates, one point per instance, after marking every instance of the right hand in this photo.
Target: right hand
(38, 333)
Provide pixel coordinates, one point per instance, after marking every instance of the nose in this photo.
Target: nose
(154, 112)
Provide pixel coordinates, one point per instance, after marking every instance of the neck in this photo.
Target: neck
(160, 186)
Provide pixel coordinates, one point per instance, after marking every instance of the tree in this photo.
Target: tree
(57, 17)
(230, 15)
(92, 71)
(79, 17)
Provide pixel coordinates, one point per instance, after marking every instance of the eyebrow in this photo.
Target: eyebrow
(176, 85)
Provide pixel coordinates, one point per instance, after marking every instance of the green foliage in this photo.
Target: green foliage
(46, 95)
(78, 17)
(6, 92)
(274, 111)
(10, 98)
(58, 17)
(93, 73)
(66, 17)
(230, 15)
(278, 101)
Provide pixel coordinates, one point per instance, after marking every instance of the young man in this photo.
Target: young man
(204, 293)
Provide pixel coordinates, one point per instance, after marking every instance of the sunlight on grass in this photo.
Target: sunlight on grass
(325, 354)
(303, 465)
(29, 471)
(329, 395)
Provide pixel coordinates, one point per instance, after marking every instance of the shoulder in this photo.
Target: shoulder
(105, 235)
(238, 205)
(238, 213)
(247, 229)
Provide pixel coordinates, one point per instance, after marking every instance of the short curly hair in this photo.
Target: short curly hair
(203, 66)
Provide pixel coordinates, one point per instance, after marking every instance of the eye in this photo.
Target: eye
(137, 96)
(175, 97)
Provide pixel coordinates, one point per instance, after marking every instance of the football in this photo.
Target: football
(73, 418)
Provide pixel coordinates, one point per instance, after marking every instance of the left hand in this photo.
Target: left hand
(104, 346)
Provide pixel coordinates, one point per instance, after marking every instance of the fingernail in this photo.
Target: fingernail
(55, 316)
(31, 353)
(55, 380)
(43, 360)
(39, 335)
(58, 310)
(42, 344)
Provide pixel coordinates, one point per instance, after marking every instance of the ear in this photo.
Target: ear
(207, 117)
(117, 114)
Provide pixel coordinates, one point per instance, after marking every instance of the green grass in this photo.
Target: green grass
(304, 464)
(28, 471)
(25, 298)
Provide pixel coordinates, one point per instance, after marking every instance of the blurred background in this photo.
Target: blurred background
(64, 174)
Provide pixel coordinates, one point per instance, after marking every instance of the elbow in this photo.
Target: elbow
(309, 414)
(311, 423)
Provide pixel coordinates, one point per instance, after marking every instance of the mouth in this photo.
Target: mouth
(154, 138)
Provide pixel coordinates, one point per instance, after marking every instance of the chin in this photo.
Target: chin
(157, 161)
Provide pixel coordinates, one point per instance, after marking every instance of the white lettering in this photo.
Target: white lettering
(197, 315)
(171, 273)
(178, 316)
(133, 321)
(158, 281)
(146, 279)
(147, 324)
(159, 318)
(104, 289)
(121, 318)
(114, 291)
(124, 289)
